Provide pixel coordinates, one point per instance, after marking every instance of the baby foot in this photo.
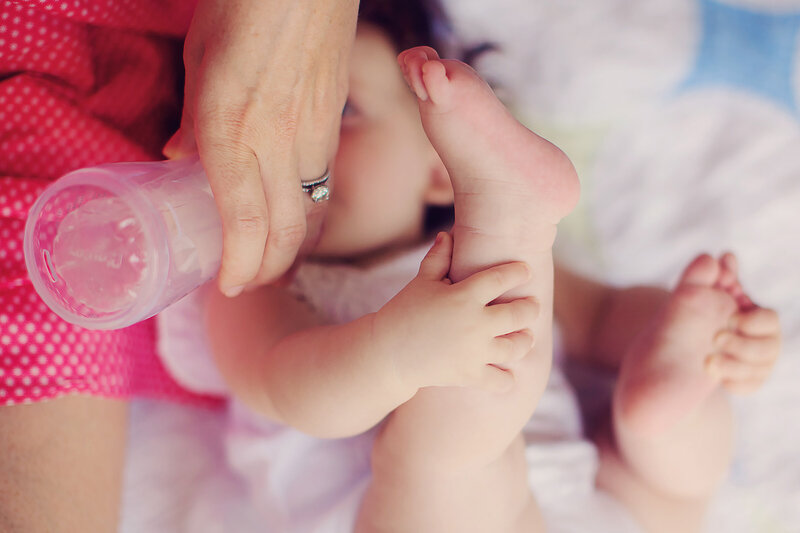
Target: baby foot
(748, 351)
(709, 334)
(508, 181)
(663, 376)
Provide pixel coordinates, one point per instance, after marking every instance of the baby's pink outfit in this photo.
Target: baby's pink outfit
(81, 83)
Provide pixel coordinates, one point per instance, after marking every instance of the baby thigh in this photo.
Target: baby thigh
(654, 510)
(452, 459)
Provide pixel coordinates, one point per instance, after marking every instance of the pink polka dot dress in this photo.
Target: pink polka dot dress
(82, 82)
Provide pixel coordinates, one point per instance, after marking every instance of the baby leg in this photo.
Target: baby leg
(452, 459)
(670, 440)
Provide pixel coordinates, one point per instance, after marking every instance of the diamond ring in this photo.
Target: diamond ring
(317, 187)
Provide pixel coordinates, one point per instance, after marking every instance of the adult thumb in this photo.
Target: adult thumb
(181, 144)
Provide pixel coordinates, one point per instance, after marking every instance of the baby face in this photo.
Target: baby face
(385, 165)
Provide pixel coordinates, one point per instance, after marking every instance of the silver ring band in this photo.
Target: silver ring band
(317, 188)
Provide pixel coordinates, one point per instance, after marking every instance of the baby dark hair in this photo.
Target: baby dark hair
(410, 23)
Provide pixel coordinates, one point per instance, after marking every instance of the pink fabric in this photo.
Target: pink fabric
(82, 82)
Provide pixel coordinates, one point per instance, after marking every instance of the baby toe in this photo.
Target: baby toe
(727, 280)
(434, 75)
(756, 350)
(728, 368)
(757, 322)
(412, 63)
(743, 387)
(703, 270)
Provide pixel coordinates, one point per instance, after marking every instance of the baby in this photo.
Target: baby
(453, 365)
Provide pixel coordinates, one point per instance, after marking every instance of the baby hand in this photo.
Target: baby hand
(749, 349)
(444, 334)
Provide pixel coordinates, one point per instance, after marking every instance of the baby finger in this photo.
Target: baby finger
(496, 380)
(513, 316)
(493, 282)
(756, 350)
(513, 346)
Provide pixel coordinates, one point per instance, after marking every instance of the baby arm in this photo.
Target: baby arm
(339, 380)
(280, 359)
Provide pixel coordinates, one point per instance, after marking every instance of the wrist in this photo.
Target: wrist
(388, 354)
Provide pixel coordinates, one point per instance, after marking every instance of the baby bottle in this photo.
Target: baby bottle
(112, 245)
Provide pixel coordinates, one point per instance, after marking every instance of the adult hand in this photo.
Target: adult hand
(266, 81)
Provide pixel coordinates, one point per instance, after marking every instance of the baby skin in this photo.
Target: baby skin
(452, 459)
(670, 439)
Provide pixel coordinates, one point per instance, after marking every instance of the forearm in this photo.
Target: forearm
(330, 381)
(277, 356)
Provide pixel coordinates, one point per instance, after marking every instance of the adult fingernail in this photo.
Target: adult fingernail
(232, 292)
